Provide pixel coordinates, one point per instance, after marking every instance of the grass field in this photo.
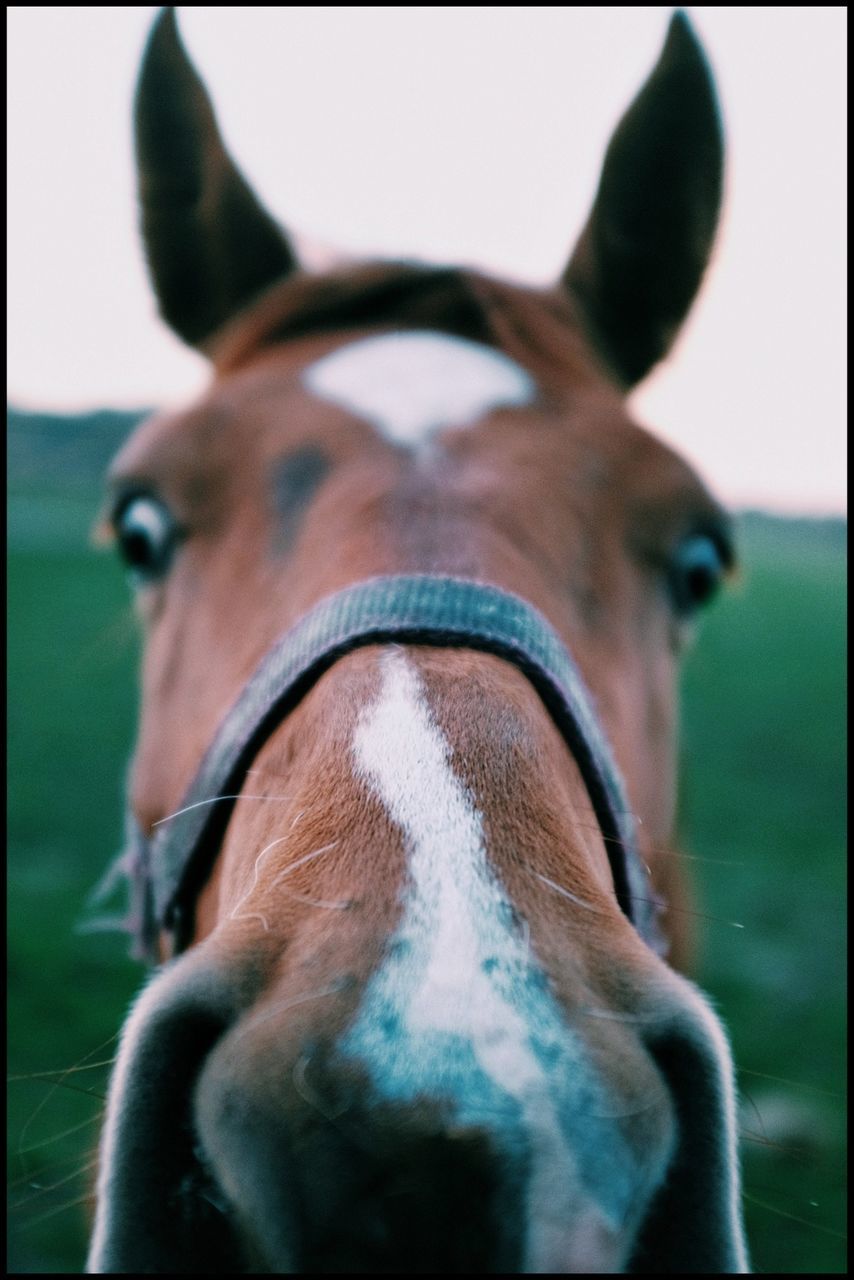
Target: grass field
(762, 813)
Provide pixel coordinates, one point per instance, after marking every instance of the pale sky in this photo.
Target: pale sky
(466, 135)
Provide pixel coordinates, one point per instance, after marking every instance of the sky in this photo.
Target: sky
(466, 135)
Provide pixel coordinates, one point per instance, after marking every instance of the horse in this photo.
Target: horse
(414, 587)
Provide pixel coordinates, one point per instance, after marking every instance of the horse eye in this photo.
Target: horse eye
(696, 571)
(146, 534)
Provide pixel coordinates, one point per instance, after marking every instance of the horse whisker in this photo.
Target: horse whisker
(565, 893)
(333, 906)
(42, 1191)
(55, 1163)
(308, 857)
(683, 911)
(62, 1208)
(661, 853)
(745, 1135)
(254, 884)
(58, 1083)
(341, 905)
(67, 1071)
(781, 1213)
(62, 1083)
(306, 1092)
(797, 1084)
(756, 1110)
(252, 915)
(332, 989)
(239, 795)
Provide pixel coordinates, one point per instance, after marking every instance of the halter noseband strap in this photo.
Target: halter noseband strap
(168, 869)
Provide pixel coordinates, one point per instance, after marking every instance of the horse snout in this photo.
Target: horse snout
(328, 1165)
(325, 1177)
(345, 1146)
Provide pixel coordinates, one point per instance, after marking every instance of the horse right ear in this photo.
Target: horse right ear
(641, 256)
(211, 247)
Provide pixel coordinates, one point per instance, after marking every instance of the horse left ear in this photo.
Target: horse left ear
(640, 258)
(211, 247)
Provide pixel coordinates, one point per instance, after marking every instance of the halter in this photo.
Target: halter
(167, 870)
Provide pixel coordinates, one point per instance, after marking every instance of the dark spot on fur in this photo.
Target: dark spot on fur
(295, 481)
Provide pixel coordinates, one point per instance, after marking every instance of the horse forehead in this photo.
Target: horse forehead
(409, 384)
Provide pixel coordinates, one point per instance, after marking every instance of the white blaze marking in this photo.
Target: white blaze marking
(458, 1011)
(410, 384)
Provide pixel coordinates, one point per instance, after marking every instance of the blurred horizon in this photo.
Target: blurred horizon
(115, 424)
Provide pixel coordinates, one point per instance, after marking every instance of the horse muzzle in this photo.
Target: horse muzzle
(237, 1142)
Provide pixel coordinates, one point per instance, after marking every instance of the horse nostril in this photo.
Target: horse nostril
(149, 1155)
(697, 1198)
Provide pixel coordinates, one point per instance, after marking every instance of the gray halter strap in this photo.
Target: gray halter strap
(168, 869)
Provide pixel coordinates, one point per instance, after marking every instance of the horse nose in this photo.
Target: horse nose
(330, 1178)
(329, 1169)
(279, 1149)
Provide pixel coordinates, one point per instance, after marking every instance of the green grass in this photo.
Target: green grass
(71, 711)
(763, 795)
(763, 788)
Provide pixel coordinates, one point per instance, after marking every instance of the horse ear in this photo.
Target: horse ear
(640, 258)
(210, 245)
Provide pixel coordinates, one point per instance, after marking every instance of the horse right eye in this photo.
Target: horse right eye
(697, 569)
(147, 535)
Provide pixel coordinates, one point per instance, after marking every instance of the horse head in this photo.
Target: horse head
(414, 585)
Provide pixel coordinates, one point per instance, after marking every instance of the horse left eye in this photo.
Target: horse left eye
(146, 534)
(696, 572)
